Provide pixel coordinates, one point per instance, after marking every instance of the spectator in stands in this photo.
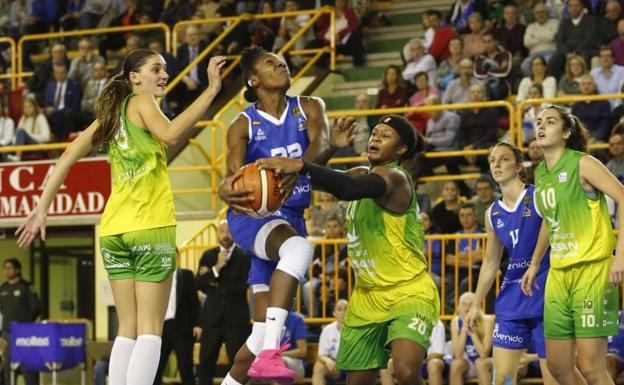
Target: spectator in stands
(32, 127)
(173, 67)
(461, 11)
(325, 366)
(530, 114)
(445, 212)
(175, 10)
(295, 334)
(608, 24)
(196, 80)
(616, 166)
(348, 37)
(535, 156)
(433, 367)
(329, 255)
(484, 197)
(449, 68)
(20, 15)
(288, 27)
(418, 61)
(393, 92)
(458, 89)
(577, 34)
(511, 35)
(493, 67)
(327, 206)
(442, 35)
(44, 15)
(478, 127)
(433, 249)
(538, 77)
(7, 128)
(222, 277)
(596, 115)
(92, 90)
(473, 41)
(81, 68)
(363, 128)
(71, 19)
(539, 37)
(62, 103)
(92, 12)
(338, 286)
(609, 77)
(471, 348)
(617, 44)
(569, 82)
(465, 253)
(442, 130)
(44, 72)
(263, 31)
(113, 42)
(423, 91)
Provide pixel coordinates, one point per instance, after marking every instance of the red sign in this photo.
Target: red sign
(84, 191)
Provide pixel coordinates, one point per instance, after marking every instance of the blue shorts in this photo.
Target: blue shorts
(245, 229)
(518, 334)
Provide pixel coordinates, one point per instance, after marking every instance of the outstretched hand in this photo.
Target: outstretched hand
(214, 72)
(342, 132)
(32, 226)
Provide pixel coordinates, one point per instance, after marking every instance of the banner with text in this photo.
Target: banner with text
(84, 192)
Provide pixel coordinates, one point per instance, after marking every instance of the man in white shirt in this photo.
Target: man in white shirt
(539, 37)
(418, 61)
(609, 77)
(329, 342)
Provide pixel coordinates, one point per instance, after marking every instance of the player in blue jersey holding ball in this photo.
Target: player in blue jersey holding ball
(513, 223)
(284, 126)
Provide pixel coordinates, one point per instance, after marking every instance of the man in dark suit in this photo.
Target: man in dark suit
(225, 316)
(44, 71)
(197, 79)
(62, 102)
(181, 326)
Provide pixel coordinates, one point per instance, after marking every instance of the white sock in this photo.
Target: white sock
(229, 380)
(144, 360)
(118, 365)
(275, 319)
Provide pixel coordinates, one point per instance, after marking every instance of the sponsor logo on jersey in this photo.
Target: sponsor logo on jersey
(527, 212)
(296, 111)
(506, 337)
(302, 125)
(563, 177)
(527, 200)
(495, 213)
(553, 223)
(499, 224)
(260, 135)
(255, 123)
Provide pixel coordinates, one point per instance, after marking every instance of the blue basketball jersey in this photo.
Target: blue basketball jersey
(616, 342)
(517, 228)
(470, 349)
(287, 137)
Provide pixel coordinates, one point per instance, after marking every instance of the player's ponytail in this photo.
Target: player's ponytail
(249, 56)
(578, 138)
(108, 104)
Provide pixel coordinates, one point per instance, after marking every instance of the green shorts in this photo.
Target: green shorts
(580, 302)
(367, 346)
(143, 255)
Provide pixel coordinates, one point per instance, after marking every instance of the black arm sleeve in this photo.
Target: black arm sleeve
(343, 186)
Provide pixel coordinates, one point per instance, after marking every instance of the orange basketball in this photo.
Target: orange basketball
(265, 186)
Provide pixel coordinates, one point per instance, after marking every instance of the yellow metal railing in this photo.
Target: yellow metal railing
(84, 32)
(12, 73)
(327, 288)
(521, 107)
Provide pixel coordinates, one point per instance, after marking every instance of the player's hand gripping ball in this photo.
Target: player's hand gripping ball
(266, 191)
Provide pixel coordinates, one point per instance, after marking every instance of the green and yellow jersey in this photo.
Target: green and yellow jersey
(141, 195)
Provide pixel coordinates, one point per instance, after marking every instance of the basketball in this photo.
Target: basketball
(265, 186)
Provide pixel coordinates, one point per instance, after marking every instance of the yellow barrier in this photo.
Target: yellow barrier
(84, 32)
(12, 73)
(521, 107)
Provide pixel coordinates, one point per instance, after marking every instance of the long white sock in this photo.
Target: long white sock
(144, 360)
(118, 365)
(229, 380)
(275, 319)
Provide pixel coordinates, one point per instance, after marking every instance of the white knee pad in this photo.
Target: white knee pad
(295, 256)
(259, 247)
(256, 338)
